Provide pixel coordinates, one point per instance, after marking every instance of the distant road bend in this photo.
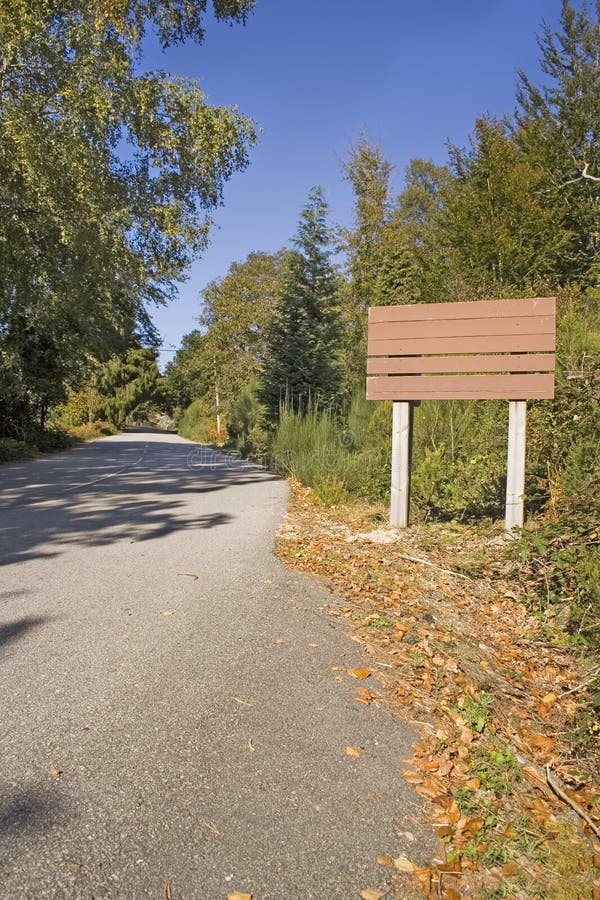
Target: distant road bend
(174, 709)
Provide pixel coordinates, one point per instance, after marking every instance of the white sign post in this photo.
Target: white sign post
(515, 469)
(402, 422)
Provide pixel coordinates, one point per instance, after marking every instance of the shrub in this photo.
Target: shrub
(194, 424)
(246, 413)
(50, 440)
(12, 450)
(90, 431)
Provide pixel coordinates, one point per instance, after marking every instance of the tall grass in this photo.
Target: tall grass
(319, 450)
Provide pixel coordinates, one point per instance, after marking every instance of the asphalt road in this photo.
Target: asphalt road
(173, 715)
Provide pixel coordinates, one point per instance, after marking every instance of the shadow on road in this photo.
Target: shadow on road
(117, 489)
(16, 629)
(33, 808)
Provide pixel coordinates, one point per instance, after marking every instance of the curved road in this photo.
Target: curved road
(173, 721)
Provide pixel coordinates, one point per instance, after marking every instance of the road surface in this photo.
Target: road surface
(174, 703)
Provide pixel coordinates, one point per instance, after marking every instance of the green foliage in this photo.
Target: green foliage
(496, 768)
(195, 423)
(125, 382)
(39, 440)
(318, 450)
(475, 711)
(459, 457)
(381, 258)
(302, 355)
(107, 177)
(92, 430)
(499, 237)
(12, 450)
(246, 424)
(558, 127)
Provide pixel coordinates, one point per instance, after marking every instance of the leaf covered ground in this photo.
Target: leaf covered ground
(508, 758)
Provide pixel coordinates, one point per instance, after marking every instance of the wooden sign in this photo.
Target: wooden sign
(490, 349)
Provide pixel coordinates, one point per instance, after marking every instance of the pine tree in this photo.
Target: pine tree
(301, 365)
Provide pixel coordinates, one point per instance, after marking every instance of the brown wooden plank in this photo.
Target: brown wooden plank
(414, 312)
(444, 328)
(499, 344)
(373, 394)
(514, 362)
(461, 387)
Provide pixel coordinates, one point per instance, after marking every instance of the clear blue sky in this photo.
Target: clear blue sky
(318, 74)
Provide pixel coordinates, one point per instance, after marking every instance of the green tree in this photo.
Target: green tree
(398, 275)
(496, 233)
(558, 127)
(107, 178)
(303, 348)
(125, 382)
(228, 349)
(369, 176)
(417, 211)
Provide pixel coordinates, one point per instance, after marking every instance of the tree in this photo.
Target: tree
(398, 275)
(558, 127)
(303, 347)
(107, 179)
(369, 175)
(495, 232)
(229, 347)
(125, 382)
(416, 212)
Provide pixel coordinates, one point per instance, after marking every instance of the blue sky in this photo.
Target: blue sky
(318, 74)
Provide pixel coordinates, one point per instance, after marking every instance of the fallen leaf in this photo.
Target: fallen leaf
(168, 612)
(385, 860)
(549, 699)
(510, 868)
(237, 895)
(534, 775)
(352, 751)
(403, 864)
(451, 894)
(540, 742)
(412, 777)
(359, 673)
(473, 784)
(55, 773)
(370, 894)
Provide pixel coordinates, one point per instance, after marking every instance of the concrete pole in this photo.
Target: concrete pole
(401, 454)
(515, 470)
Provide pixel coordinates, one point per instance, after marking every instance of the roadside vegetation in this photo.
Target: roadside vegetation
(108, 176)
(508, 716)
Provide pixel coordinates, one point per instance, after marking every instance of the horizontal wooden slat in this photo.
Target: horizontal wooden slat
(513, 362)
(423, 312)
(499, 344)
(461, 387)
(445, 328)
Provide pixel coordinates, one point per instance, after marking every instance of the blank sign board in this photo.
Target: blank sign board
(489, 349)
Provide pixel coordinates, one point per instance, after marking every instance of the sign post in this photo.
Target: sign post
(402, 426)
(515, 468)
(476, 350)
